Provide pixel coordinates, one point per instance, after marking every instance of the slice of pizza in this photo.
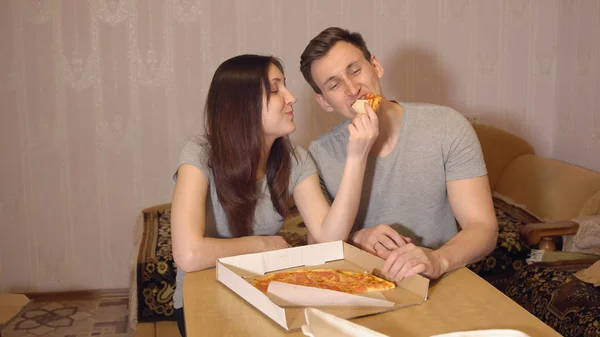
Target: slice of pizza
(332, 279)
(372, 99)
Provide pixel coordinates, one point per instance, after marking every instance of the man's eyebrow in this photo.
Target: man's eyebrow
(334, 76)
(351, 65)
(330, 79)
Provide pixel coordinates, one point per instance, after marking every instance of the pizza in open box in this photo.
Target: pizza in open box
(332, 279)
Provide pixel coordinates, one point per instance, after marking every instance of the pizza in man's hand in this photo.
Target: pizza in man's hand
(372, 99)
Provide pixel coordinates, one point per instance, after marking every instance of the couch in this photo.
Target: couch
(526, 189)
(547, 194)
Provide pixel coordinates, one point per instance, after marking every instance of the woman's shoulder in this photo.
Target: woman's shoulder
(298, 154)
(196, 144)
(303, 165)
(195, 151)
(297, 149)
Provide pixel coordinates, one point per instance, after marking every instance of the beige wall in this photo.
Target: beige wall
(576, 137)
(97, 97)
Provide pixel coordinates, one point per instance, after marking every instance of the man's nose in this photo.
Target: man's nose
(352, 88)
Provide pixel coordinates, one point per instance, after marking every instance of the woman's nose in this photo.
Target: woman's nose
(290, 99)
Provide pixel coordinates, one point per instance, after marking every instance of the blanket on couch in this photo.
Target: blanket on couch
(156, 269)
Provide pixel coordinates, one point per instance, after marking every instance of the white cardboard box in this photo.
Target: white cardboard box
(235, 271)
(322, 324)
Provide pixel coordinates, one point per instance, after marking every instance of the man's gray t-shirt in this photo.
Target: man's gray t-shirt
(266, 219)
(407, 188)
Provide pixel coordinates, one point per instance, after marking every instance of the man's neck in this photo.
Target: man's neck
(390, 119)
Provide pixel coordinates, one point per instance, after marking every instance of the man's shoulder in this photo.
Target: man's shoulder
(335, 137)
(431, 115)
(429, 109)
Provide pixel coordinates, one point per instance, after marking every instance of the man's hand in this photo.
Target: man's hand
(379, 240)
(409, 260)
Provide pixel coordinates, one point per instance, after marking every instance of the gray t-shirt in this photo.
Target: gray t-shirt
(266, 219)
(407, 188)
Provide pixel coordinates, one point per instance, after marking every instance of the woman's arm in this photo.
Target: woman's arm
(327, 223)
(191, 250)
(335, 223)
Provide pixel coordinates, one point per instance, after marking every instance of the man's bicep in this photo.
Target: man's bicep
(463, 157)
(471, 201)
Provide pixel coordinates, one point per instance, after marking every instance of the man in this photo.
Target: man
(426, 171)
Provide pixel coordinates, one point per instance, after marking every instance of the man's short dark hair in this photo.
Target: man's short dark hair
(321, 44)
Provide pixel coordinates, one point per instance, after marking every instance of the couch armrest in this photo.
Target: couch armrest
(541, 233)
(156, 208)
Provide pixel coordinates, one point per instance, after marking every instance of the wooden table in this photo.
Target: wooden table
(459, 301)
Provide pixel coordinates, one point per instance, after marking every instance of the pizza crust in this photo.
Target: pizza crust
(373, 100)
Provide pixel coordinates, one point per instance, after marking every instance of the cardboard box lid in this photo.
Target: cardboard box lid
(322, 324)
(11, 305)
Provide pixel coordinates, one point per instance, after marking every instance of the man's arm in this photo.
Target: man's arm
(472, 205)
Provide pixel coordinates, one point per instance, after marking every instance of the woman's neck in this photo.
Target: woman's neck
(262, 164)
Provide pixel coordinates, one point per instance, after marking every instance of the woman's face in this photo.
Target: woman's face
(278, 113)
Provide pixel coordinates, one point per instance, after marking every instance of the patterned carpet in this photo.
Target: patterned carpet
(106, 317)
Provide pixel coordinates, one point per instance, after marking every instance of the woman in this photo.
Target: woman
(248, 170)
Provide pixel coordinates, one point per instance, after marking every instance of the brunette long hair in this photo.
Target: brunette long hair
(235, 136)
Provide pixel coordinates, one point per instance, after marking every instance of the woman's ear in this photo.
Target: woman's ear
(323, 103)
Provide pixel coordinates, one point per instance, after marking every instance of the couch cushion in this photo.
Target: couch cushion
(499, 149)
(556, 297)
(551, 189)
(156, 269)
(511, 250)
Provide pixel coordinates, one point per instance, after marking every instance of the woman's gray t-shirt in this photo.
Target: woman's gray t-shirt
(266, 219)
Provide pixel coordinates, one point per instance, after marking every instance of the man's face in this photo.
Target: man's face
(344, 75)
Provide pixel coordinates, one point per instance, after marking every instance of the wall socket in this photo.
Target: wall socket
(473, 119)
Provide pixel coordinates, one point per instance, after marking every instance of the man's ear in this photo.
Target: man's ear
(323, 103)
(378, 67)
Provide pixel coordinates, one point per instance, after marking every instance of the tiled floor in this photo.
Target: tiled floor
(106, 317)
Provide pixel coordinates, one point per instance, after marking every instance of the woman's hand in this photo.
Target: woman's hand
(363, 130)
(274, 242)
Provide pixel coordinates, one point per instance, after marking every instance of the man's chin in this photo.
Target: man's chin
(351, 114)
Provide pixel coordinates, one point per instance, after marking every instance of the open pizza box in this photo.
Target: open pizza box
(285, 303)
